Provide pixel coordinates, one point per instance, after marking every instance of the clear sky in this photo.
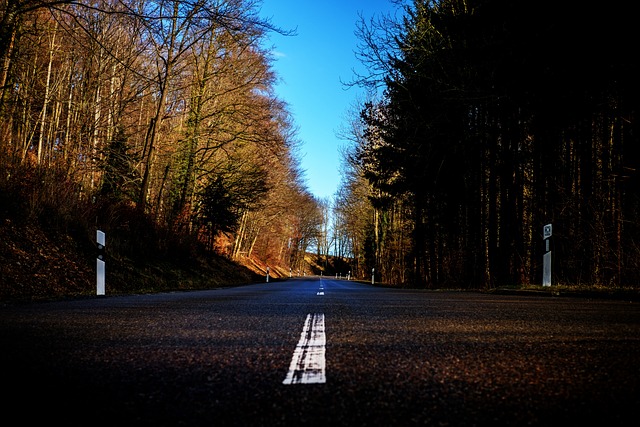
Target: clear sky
(311, 66)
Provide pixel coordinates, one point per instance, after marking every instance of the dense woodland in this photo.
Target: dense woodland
(486, 120)
(154, 121)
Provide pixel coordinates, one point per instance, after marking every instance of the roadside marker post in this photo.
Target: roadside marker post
(546, 265)
(100, 265)
(373, 276)
(267, 274)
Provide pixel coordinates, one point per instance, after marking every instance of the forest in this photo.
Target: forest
(155, 122)
(486, 120)
(483, 121)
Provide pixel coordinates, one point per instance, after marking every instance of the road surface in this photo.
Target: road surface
(320, 352)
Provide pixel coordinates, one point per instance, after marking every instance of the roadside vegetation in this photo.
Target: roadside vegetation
(486, 121)
(157, 123)
(48, 249)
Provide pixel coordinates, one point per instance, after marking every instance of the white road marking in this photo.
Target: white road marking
(308, 364)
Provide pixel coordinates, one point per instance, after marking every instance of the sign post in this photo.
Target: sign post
(546, 265)
(100, 267)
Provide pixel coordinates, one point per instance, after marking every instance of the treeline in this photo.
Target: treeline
(155, 121)
(495, 118)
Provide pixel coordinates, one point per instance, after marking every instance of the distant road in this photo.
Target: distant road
(320, 352)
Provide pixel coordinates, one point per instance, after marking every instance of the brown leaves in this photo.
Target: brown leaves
(37, 265)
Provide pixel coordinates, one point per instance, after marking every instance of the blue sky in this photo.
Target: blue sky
(311, 66)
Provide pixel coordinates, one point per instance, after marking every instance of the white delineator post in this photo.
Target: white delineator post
(546, 265)
(373, 277)
(267, 274)
(100, 267)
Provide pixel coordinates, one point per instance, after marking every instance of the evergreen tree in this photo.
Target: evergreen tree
(498, 118)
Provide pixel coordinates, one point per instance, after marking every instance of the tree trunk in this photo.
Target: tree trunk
(47, 90)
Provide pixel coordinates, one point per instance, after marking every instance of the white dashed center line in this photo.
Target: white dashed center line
(308, 364)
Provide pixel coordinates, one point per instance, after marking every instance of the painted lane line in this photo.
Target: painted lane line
(308, 363)
(320, 291)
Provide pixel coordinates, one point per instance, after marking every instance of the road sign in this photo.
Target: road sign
(547, 231)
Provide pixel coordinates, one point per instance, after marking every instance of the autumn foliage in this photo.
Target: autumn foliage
(155, 122)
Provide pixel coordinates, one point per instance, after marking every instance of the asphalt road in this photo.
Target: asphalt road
(382, 357)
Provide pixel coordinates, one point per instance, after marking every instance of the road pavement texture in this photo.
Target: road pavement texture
(323, 352)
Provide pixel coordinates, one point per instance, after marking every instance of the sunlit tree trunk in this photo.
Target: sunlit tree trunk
(47, 90)
(166, 51)
(240, 236)
(5, 57)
